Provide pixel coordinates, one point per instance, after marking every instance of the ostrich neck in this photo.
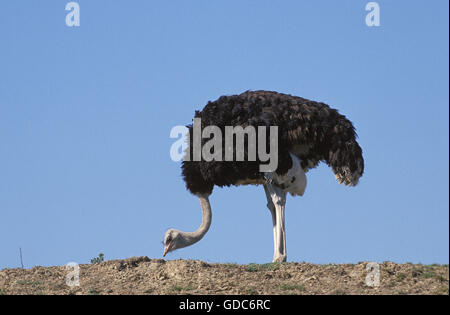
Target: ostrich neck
(193, 237)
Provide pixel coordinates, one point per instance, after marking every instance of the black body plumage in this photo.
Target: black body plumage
(311, 130)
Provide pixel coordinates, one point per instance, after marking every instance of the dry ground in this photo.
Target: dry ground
(141, 275)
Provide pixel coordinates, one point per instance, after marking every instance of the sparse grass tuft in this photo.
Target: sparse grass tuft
(262, 267)
(292, 287)
(434, 275)
(28, 282)
(177, 288)
(427, 272)
(428, 275)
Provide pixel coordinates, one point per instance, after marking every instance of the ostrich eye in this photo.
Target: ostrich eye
(168, 239)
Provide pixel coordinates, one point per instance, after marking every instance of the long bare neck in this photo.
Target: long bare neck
(193, 237)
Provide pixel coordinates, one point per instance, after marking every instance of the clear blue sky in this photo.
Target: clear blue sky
(85, 116)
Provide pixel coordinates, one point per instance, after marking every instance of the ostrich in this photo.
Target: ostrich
(308, 132)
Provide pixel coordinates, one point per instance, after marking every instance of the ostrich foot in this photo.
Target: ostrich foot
(279, 259)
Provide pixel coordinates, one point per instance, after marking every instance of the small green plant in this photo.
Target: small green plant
(179, 288)
(28, 282)
(252, 268)
(262, 267)
(2, 292)
(251, 290)
(432, 274)
(428, 275)
(98, 259)
(291, 287)
(92, 291)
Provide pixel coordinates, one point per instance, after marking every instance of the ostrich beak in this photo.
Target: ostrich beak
(167, 249)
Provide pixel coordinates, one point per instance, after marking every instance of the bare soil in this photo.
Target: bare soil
(141, 275)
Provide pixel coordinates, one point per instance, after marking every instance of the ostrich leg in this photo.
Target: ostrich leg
(278, 198)
(271, 208)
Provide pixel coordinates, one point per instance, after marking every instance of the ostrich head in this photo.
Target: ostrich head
(174, 239)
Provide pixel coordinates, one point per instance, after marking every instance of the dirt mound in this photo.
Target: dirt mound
(141, 275)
